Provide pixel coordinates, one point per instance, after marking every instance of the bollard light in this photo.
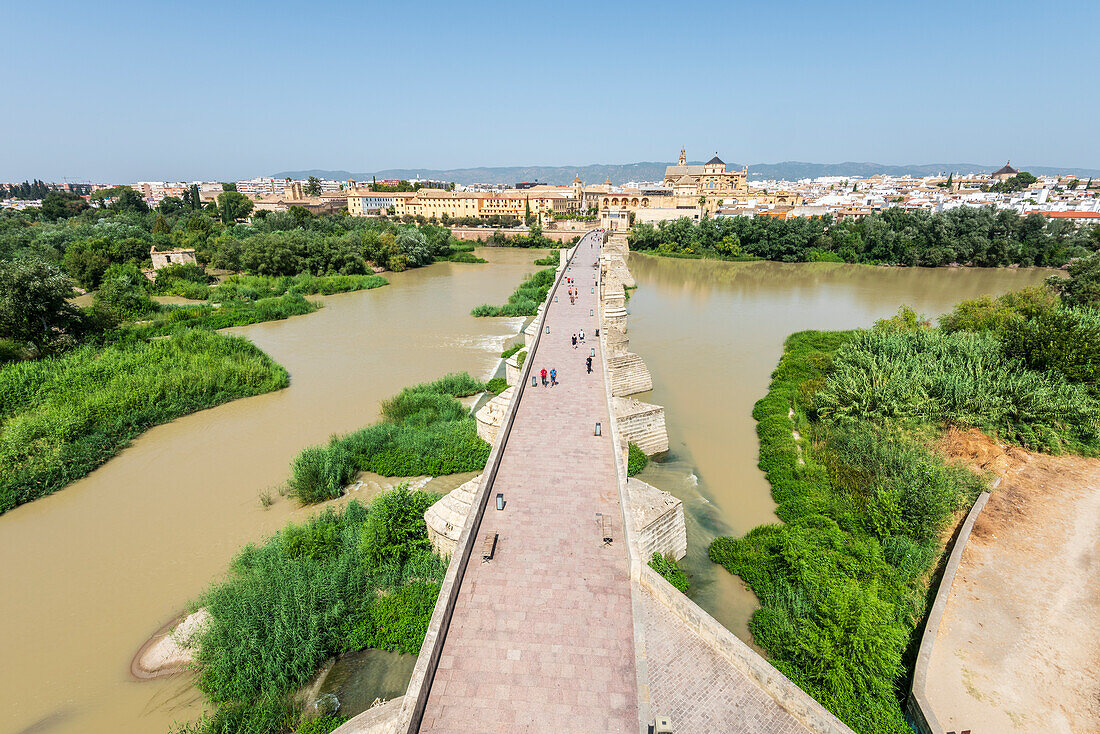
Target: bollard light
(593, 354)
(534, 381)
(547, 329)
(555, 299)
(500, 501)
(593, 289)
(599, 429)
(590, 312)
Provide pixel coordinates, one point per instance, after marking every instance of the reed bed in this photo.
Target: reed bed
(62, 417)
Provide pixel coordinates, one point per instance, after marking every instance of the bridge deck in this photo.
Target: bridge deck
(542, 637)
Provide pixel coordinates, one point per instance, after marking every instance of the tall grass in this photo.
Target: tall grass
(363, 577)
(255, 287)
(525, 300)
(842, 581)
(62, 417)
(230, 313)
(424, 430)
(930, 377)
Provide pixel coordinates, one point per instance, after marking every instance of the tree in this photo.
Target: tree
(173, 204)
(34, 305)
(1082, 287)
(62, 205)
(233, 205)
(229, 186)
(161, 226)
(313, 186)
(124, 293)
(87, 261)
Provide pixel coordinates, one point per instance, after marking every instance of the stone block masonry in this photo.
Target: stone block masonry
(629, 375)
(659, 520)
(642, 423)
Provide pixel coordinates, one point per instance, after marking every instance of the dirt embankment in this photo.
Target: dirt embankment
(1018, 646)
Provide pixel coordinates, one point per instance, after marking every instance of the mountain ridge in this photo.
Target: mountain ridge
(655, 170)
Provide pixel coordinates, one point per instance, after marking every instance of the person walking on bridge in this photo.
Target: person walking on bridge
(582, 336)
(588, 363)
(574, 341)
(543, 377)
(553, 378)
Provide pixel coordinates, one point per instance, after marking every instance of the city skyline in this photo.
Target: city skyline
(199, 92)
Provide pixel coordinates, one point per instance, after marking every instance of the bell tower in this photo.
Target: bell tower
(683, 157)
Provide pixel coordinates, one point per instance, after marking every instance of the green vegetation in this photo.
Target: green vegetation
(865, 503)
(511, 350)
(229, 313)
(636, 459)
(521, 358)
(554, 259)
(61, 417)
(497, 385)
(342, 581)
(254, 287)
(982, 237)
(670, 570)
(424, 430)
(465, 257)
(525, 300)
(1019, 182)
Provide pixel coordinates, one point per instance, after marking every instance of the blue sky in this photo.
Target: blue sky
(118, 91)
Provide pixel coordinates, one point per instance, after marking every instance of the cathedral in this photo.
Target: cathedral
(706, 181)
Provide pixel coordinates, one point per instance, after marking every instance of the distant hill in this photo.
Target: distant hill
(655, 171)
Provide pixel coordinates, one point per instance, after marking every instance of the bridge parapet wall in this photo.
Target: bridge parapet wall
(416, 696)
(632, 421)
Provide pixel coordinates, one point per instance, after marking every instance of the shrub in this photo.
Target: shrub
(525, 300)
(124, 292)
(308, 593)
(552, 258)
(497, 385)
(671, 570)
(424, 430)
(320, 725)
(636, 459)
(842, 582)
(511, 350)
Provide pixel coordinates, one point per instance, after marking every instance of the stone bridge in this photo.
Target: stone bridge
(550, 619)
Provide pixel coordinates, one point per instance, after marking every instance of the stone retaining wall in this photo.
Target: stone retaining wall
(474, 234)
(917, 706)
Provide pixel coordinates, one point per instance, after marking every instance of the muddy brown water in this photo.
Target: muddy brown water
(711, 334)
(87, 574)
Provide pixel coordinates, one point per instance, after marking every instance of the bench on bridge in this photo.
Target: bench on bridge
(488, 547)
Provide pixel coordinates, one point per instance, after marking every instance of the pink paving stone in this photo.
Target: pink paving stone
(554, 592)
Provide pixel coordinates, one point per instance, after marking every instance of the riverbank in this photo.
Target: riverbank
(190, 489)
(732, 318)
(847, 441)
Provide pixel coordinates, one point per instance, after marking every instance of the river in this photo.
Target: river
(711, 334)
(89, 573)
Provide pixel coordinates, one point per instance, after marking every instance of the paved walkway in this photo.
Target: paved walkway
(542, 636)
(696, 688)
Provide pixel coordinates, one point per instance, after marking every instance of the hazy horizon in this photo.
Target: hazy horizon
(132, 92)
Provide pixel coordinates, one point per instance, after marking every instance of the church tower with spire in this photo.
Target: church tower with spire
(683, 157)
